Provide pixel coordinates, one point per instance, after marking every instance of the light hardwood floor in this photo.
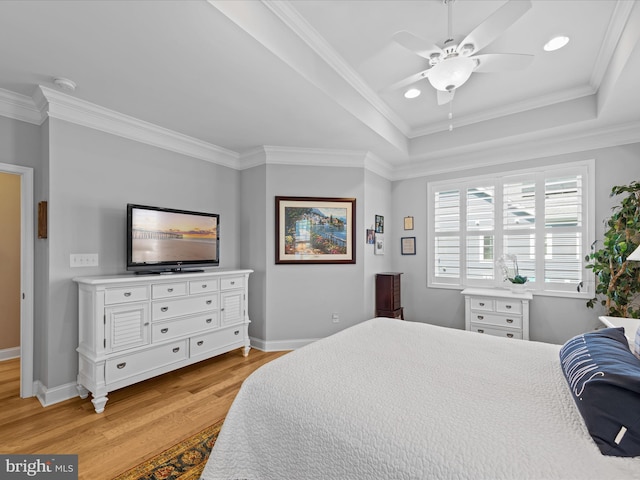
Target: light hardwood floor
(139, 421)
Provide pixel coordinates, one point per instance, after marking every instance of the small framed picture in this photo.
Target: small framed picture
(379, 224)
(379, 245)
(408, 223)
(408, 245)
(371, 235)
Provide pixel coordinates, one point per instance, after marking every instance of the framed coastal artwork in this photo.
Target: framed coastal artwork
(315, 230)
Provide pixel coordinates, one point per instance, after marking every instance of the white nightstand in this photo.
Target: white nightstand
(497, 312)
(630, 326)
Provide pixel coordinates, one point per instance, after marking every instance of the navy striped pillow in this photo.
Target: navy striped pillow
(604, 379)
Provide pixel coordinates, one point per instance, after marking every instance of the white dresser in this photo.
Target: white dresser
(497, 312)
(134, 327)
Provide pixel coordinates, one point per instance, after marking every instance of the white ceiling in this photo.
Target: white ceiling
(315, 73)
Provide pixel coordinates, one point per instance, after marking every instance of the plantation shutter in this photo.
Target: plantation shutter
(541, 217)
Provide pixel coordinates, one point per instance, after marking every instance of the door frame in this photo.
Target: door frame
(27, 253)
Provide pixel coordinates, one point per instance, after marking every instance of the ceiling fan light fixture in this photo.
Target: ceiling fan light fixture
(556, 43)
(412, 93)
(451, 73)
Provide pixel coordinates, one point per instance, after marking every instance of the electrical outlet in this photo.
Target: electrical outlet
(335, 317)
(83, 260)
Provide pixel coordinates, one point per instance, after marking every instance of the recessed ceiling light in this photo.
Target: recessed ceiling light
(556, 43)
(412, 93)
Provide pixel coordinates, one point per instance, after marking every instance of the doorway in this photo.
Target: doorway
(26, 274)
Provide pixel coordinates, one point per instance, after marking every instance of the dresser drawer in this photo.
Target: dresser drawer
(205, 343)
(203, 286)
(497, 332)
(184, 326)
(509, 306)
(168, 290)
(483, 304)
(511, 321)
(231, 282)
(184, 306)
(126, 366)
(126, 294)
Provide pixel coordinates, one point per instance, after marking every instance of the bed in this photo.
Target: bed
(388, 399)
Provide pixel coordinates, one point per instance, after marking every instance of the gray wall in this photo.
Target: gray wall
(553, 319)
(93, 175)
(301, 298)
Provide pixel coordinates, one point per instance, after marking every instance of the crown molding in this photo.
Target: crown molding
(65, 107)
(315, 157)
(618, 21)
(20, 107)
(523, 147)
(511, 109)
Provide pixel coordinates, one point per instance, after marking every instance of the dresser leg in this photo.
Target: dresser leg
(82, 392)
(99, 403)
(245, 351)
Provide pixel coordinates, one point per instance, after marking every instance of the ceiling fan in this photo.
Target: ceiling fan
(451, 65)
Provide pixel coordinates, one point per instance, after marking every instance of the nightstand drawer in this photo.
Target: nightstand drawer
(484, 304)
(509, 306)
(496, 332)
(511, 321)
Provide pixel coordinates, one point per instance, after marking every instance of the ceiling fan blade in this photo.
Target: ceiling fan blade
(410, 79)
(422, 47)
(495, 24)
(500, 62)
(445, 97)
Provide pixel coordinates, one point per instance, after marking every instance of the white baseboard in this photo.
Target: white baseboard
(280, 345)
(9, 353)
(50, 396)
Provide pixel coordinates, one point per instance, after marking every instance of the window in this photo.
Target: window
(541, 216)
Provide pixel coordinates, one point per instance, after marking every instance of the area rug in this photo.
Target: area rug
(184, 461)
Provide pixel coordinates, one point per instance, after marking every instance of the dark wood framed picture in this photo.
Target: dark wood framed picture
(315, 230)
(408, 245)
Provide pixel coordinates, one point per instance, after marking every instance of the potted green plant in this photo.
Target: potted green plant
(618, 279)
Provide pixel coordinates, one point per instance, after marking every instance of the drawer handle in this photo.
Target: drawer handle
(164, 309)
(482, 304)
(121, 365)
(127, 294)
(509, 320)
(480, 317)
(510, 335)
(176, 350)
(233, 283)
(508, 307)
(209, 302)
(164, 330)
(237, 332)
(480, 330)
(204, 285)
(200, 343)
(146, 324)
(169, 290)
(209, 320)
(222, 309)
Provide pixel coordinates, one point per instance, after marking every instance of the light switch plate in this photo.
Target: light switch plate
(83, 260)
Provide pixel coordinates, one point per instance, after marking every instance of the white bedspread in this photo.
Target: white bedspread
(389, 399)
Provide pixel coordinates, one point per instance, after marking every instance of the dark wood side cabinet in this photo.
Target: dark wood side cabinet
(388, 295)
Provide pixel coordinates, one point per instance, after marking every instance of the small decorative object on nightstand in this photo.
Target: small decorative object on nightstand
(497, 312)
(388, 295)
(631, 328)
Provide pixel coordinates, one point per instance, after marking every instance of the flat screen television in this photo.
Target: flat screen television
(166, 240)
